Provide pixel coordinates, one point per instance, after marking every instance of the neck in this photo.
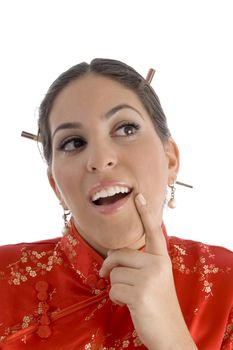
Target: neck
(104, 250)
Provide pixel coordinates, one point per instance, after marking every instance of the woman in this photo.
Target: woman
(115, 279)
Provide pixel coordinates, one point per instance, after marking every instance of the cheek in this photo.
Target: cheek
(152, 173)
(67, 181)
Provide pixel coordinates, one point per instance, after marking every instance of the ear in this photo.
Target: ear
(173, 157)
(53, 184)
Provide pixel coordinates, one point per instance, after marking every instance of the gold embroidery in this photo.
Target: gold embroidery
(72, 243)
(24, 339)
(137, 342)
(131, 339)
(69, 242)
(99, 306)
(229, 328)
(26, 321)
(201, 267)
(32, 263)
(2, 338)
(125, 344)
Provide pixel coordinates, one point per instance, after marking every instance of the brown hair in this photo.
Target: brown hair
(115, 70)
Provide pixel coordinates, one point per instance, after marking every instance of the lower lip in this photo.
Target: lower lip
(111, 208)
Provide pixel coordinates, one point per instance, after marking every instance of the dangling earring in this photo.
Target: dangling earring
(65, 229)
(172, 203)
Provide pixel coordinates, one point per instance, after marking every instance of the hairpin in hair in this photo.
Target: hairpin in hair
(150, 75)
(30, 136)
(183, 184)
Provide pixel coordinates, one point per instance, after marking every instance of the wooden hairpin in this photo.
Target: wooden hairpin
(150, 75)
(30, 136)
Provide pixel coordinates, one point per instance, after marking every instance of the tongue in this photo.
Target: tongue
(110, 200)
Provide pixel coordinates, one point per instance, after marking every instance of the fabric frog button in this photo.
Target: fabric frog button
(42, 286)
(43, 330)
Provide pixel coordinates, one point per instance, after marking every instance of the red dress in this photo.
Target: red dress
(51, 296)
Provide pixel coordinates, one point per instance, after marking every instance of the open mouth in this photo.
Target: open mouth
(111, 199)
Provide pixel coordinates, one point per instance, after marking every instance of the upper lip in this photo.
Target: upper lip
(105, 184)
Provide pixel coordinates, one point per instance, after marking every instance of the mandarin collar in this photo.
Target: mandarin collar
(84, 259)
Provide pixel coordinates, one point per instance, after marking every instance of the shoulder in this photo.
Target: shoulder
(209, 268)
(10, 254)
(196, 257)
(198, 250)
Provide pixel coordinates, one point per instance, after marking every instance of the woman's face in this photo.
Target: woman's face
(103, 138)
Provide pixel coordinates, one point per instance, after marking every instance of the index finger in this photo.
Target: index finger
(155, 241)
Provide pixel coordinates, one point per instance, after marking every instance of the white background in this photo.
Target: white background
(189, 43)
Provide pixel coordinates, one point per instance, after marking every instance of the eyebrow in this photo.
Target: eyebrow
(109, 114)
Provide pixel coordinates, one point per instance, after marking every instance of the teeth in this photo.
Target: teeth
(110, 191)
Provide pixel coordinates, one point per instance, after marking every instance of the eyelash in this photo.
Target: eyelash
(79, 139)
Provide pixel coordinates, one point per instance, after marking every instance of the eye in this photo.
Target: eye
(128, 129)
(71, 144)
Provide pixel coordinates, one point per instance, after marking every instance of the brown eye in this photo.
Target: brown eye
(128, 129)
(72, 144)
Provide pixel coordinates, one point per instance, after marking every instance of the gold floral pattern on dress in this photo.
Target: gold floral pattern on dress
(69, 253)
(129, 340)
(201, 267)
(2, 338)
(26, 321)
(33, 263)
(228, 335)
(99, 306)
(137, 342)
(72, 243)
(69, 246)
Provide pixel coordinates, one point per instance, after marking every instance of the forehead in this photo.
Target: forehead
(89, 94)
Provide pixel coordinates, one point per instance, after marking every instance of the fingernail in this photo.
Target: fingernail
(101, 273)
(141, 199)
(109, 252)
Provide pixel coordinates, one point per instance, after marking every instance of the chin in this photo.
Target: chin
(124, 234)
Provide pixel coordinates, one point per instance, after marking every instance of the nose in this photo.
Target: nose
(101, 159)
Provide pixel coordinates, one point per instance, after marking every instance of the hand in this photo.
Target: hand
(144, 282)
